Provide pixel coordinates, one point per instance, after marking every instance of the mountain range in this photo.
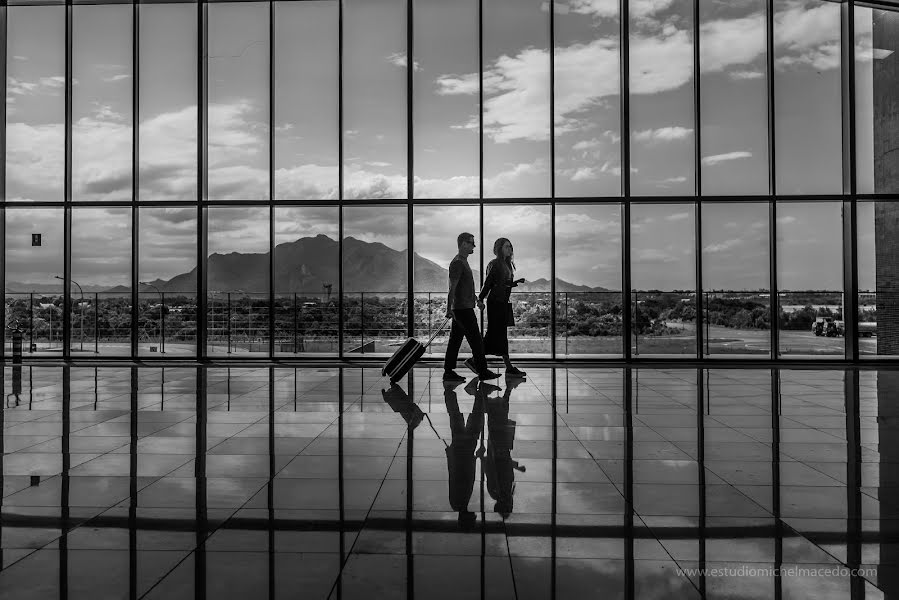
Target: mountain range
(306, 264)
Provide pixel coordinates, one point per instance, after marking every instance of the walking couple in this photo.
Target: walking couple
(460, 306)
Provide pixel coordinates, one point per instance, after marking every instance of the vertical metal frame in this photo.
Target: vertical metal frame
(625, 124)
(853, 480)
(481, 140)
(552, 179)
(202, 173)
(702, 393)
(774, 305)
(67, 199)
(340, 182)
(697, 174)
(629, 409)
(410, 168)
(3, 45)
(271, 180)
(850, 182)
(135, 178)
(775, 480)
(201, 501)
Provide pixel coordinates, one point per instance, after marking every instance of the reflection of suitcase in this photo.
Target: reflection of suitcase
(407, 355)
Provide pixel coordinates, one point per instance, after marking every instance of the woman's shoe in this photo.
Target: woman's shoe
(513, 372)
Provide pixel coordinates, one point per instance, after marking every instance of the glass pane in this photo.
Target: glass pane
(101, 266)
(661, 102)
(306, 280)
(436, 230)
(167, 275)
(168, 101)
(374, 278)
(306, 73)
(527, 227)
(238, 101)
(735, 279)
(587, 99)
(875, 88)
(588, 286)
(445, 92)
(237, 281)
(374, 98)
(807, 97)
(35, 105)
(101, 103)
(810, 277)
(663, 278)
(516, 99)
(734, 98)
(34, 295)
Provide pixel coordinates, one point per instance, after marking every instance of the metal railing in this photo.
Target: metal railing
(587, 323)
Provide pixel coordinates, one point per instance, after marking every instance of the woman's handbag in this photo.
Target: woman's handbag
(510, 315)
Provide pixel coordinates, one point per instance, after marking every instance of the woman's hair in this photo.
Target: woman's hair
(498, 253)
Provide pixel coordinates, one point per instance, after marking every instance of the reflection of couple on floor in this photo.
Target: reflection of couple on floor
(463, 451)
(496, 459)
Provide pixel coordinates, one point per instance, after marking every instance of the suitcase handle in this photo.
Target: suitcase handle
(439, 329)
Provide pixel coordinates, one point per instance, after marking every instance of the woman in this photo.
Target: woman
(497, 290)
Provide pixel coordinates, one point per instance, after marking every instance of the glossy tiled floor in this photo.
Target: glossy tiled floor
(304, 483)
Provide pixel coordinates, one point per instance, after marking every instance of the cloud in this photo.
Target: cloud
(399, 59)
(722, 246)
(584, 174)
(654, 256)
(448, 85)
(19, 88)
(661, 62)
(678, 216)
(663, 134)
(787, 220)
(727, 42)
(808, 33)
(718, 158)
(745, 75)
(54, 82)
(516, 89)
(587, 144)
(602, 9)
(35, 161)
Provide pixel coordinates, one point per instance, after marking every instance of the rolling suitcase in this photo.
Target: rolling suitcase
(407, 355)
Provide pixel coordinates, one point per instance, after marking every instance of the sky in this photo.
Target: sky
(517, 127)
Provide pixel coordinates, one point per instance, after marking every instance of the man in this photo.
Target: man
(461, 459)
(460, 305)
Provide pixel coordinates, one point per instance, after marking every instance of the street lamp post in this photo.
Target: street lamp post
(80, 307)
(249, 331)
(161, 316)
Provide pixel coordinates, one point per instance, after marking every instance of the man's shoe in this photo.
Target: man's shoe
(452, 376)
(513, 372)
(469, 363)
(487, 375)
